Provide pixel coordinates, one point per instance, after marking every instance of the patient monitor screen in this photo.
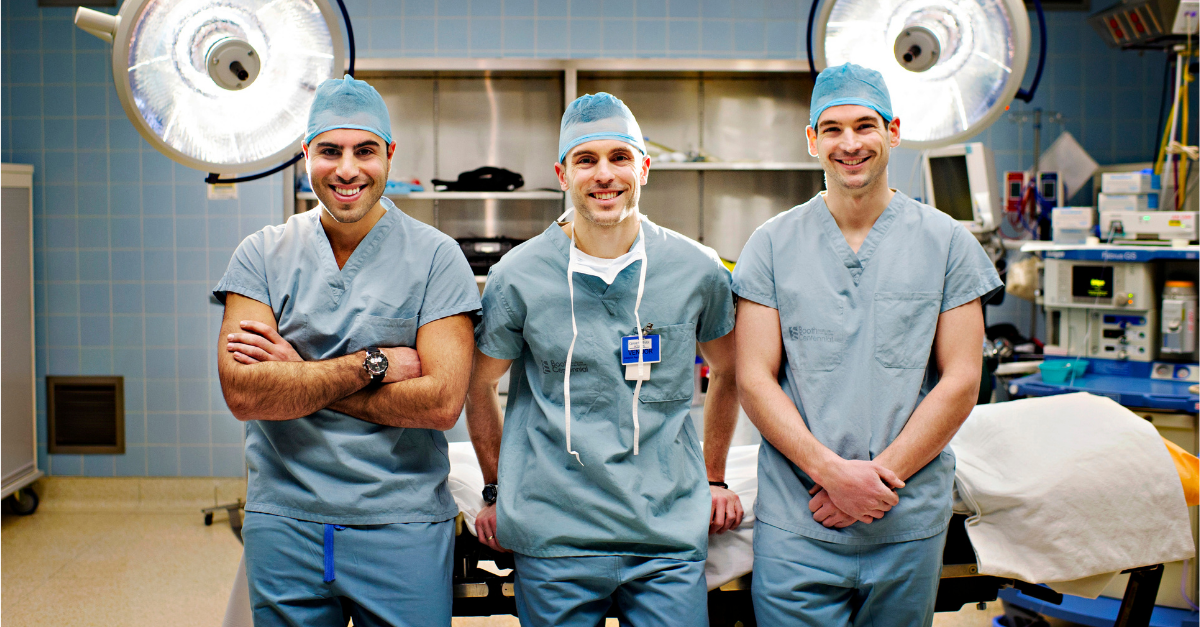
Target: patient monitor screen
(951, 188)
(1092, 281)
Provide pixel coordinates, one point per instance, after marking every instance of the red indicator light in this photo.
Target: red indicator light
(1116, 28)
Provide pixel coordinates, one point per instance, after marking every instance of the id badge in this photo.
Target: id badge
(650, 349)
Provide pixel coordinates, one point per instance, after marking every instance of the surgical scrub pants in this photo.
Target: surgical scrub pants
(307, 573)
(578, 591)
(802, 581)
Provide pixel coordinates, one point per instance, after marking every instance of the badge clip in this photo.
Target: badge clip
(650, 350)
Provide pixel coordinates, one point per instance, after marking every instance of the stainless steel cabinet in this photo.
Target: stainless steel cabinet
(453, 115)
(18, 412)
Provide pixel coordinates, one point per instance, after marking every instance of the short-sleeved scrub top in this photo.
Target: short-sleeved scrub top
(654, 504)
(858, 330)
(329, 467)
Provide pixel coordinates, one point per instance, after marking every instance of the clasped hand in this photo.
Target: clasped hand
(258, 342)
(854, 491)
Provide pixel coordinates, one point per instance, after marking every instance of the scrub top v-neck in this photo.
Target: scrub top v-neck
(329, 467)
(857, 332)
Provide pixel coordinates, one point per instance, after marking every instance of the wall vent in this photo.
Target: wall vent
(85, 415)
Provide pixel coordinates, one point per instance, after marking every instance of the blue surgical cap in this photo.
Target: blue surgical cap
(849, 84)
(348, 103)
(598, 116)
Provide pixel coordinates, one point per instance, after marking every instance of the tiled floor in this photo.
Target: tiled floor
(160, 568)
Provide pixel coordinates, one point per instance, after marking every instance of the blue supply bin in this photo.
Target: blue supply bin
(1063, 370)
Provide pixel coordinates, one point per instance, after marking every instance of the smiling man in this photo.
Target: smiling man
(604, 492)
(858, 337)
(346, 347)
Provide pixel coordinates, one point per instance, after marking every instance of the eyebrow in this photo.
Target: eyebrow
(575, 154)
(363, 144)
(865, 118)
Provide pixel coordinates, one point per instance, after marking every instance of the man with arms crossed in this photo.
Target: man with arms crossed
(602, 481)
(859, 338)
(344, 446)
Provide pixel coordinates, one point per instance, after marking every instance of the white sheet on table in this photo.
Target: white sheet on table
(730, 555)
(1068, 490)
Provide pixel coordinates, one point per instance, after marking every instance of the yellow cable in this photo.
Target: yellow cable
(1181, 178)
(1162, 146)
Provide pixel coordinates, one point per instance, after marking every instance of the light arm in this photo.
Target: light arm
(485, 418)
(721, 403)
(759, 357)
(720, 419)
(279, 390)
(857, 488)
(433, 400)
(956, 347)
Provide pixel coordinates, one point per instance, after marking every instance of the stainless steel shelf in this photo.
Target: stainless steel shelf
(520, 195)
(735, 165)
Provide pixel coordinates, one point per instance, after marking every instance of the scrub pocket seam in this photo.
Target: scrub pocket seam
(675, 339)
(905, 323)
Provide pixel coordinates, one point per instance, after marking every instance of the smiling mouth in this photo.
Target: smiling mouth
(605, 195)
(346, 193)
(852, 162)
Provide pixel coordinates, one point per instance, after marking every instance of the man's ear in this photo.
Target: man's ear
(894, 132)
(560, 171)
(811, 134)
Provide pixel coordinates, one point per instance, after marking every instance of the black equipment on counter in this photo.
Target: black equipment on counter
(483, 252)
(485, 179)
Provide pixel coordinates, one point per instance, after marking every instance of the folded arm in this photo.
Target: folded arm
(283, 388)
(956, 347)
(432, 400)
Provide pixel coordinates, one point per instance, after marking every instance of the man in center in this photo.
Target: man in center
(604, 493)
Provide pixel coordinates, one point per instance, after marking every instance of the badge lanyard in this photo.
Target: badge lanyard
(575, 334)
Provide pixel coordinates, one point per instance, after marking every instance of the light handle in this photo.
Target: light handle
(101, 25)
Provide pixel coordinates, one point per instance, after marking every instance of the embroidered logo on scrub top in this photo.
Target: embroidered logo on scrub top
(552, 366)
(812, 334)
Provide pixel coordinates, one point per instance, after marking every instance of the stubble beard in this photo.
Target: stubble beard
(580, 200)
(357, 211)
(875, 174)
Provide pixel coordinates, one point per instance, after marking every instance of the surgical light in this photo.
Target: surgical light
(222, 86)
(952, 67)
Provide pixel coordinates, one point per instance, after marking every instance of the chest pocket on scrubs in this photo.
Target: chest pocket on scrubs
(904, 326)
(371, 330)
(672, 378)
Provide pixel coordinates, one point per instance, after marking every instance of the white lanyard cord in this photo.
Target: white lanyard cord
(570, 351)
(637, 388)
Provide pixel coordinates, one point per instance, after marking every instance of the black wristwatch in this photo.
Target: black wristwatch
(376, 365)
(489, 494)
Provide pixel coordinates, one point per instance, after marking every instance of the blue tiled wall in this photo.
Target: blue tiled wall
(127, 244)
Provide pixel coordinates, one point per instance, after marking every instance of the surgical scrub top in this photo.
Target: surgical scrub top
(654, 504)
(329, 467)
(857, 336)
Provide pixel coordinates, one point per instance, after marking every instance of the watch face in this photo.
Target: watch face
(376, 364)
(489, 494)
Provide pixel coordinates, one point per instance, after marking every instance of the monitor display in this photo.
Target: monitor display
(951, 187)
(1092, 281)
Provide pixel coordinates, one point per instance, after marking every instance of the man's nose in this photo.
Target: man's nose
(347, 167)
(604, 171)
